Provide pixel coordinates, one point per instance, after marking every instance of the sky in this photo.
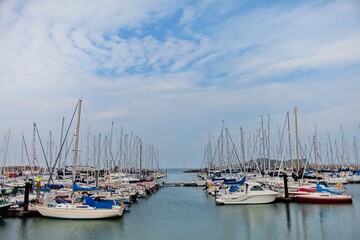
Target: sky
(173, 72)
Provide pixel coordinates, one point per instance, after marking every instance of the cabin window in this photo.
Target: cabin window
(256, 188)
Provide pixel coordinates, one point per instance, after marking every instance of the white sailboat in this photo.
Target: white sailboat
(73, 210)
(252, 193)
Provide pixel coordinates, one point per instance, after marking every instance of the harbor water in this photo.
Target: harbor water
(188, 213)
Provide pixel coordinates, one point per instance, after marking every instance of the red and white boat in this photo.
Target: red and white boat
(322, 197)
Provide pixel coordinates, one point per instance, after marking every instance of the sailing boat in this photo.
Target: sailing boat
(78, 211)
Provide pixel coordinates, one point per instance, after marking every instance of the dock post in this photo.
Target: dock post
(26, 198)
(38, 185)
(286, 185)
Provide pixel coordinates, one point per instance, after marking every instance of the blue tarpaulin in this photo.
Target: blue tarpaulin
(234, 188)
(54, 186)
(79, 188)
(234, 181)
(319, 188)
(102, 204)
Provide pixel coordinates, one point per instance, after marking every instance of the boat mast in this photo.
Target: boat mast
(289, 138)
(209, 154)
(33, 168)
(297, 141)
(61, 140)
(331, 163)
(140, 159)
(268, 143)
(263, 167)
(76, 140)
(356, 155)
(315, 166)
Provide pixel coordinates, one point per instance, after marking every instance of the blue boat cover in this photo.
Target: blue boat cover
(319, 188)
(45, 189)
(218, 178)
(234, 188)
(54, 186)
(231, 181)
(102, 204)
(79, 188)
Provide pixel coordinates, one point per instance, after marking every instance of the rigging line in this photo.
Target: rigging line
(42, 148)
(111, 155)
(306, 124)
(27, 155)
(90, 125)
(62, 145)
(233, 145)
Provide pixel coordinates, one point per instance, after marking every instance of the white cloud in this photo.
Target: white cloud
(172, 70)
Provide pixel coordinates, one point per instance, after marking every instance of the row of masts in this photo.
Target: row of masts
(263, 152)
(131, 153)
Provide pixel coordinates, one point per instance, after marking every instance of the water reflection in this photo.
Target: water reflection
(288, 220)
(2, 222)
(188, 213)
(46, 228)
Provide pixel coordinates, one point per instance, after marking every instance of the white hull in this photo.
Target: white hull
(253, 193)
(246, 199)
(78, 212)
(336, 180)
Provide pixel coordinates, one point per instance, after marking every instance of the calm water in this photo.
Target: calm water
(188, 213)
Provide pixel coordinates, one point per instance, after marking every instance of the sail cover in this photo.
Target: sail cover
(80, 188)
(102, 204)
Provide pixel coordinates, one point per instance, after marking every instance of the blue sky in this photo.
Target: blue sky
(171, 71)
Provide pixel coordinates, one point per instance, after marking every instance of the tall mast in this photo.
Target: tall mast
(315, 165)
(222, 146)
(34, 149)
(98, 161)
(209, 154)
(61, 140)
(140, 158)
(242, 147)
(289, 137)
(297, 141)
(77, 130)
(268, 143)
(331, 152)
(356, 155)
(263, 167)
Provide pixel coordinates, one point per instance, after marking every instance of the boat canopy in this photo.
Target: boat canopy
(54, 186)
(241, 181)
(102, 204)
(319, 188)
(234, 188)
(79, 188)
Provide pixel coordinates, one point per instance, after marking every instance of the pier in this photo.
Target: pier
(181, 184)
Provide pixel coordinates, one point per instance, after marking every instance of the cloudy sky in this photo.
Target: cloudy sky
(171, 71)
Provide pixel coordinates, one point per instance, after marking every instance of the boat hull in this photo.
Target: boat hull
(323, 198)
(78, 213)
(4, 207)
(246, 199)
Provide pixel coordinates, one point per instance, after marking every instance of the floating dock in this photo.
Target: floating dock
(180, 184)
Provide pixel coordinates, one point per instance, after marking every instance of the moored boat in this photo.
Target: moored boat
(73, 211)
(322, 197)
(4, 205)
(251, 193)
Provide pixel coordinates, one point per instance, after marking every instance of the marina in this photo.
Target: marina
(233, 195)
(190, 213)
(167, 120)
